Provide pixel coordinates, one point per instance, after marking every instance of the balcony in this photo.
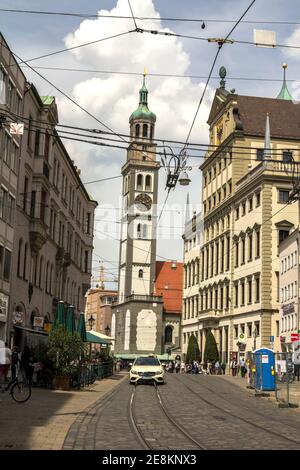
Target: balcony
(268, 167)
(37, 234)
(144, 298)
(209, 318)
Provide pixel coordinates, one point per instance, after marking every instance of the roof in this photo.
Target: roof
(284, 116)
(169, 284)
(143, 112)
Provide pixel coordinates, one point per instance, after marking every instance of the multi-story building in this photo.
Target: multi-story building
(54, 225)
(192, 238)
(168, 284)
(289, 289)
(98, 309)
(12, 86)
(247, 176)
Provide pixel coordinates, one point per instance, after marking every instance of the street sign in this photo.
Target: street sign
(294, 337)
(16, 128)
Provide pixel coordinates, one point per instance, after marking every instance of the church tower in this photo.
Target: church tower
(138, 315)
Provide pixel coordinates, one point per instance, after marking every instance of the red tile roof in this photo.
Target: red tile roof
(169, 284)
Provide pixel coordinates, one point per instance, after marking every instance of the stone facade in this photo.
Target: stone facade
(289, 289)
(12, 87)
(98, 306)
(53, 243)
(245, 190)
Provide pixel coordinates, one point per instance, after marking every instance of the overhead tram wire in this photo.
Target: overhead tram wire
(204, 91)
(206, 146)
(153, 18)
(60, 51)
(167, 75)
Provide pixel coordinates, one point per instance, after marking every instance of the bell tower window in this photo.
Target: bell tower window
(148, 183)
(139, 182)
(141, 273)
(137, 130)
(151, 132)
(145, 130)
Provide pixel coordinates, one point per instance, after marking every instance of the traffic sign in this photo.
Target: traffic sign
(16, 128)
(294, 337)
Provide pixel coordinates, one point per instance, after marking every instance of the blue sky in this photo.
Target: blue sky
(32, 35)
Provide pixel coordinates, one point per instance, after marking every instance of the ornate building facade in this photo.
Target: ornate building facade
(247, 176)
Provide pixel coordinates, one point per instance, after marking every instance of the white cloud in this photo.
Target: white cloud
(293, 40)
(112, 98)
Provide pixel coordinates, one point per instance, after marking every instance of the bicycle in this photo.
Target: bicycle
(20, 390)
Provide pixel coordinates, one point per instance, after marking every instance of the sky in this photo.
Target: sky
(113, 97)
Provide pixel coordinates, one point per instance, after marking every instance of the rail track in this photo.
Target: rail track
(234, 415)
(163, 419)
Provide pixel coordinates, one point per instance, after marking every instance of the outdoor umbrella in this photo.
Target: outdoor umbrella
(70, 320)
(81, 327)
(59, 315)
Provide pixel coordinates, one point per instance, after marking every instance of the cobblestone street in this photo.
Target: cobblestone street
(216, 413)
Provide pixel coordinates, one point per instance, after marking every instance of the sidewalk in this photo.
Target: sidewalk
(294, 389)
(43, 421)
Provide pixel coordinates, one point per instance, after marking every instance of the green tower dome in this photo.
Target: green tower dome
(143, 112)
(284, 93)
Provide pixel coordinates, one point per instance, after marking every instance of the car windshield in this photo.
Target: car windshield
(147, 361)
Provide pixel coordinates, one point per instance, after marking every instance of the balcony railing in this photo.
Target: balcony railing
(144, 298)
(273, 166)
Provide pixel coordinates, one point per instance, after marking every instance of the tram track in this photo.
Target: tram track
(238, 417)
(147, 441)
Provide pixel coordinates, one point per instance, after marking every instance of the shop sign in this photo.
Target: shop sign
(296, 352)
(3, 306)
(288, 308)
(38, 322)
(18, 318)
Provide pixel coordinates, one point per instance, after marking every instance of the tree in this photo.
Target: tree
(211, 350)
(193, 352)
(64, 350)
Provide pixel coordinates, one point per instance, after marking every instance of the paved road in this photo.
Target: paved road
(215, 412)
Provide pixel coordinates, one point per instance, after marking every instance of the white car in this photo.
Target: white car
(147, 369)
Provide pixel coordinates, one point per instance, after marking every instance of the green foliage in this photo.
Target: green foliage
(193, 352)
(64, 350)
(211, 350)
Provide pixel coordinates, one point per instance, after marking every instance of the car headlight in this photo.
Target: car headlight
(135, 372)
(158, 372)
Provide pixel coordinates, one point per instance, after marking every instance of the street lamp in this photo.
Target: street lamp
(174, 166)
(91, 322)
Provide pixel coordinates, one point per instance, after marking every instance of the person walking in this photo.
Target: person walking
(5, 361)
(233, 367)
(15, 362)
(223, 367)
(217, 368)
(243, 368)
(182, 367)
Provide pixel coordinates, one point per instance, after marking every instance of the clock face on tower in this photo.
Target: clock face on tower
(143, 202)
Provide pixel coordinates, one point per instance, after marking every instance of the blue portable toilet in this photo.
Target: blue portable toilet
(264, 359)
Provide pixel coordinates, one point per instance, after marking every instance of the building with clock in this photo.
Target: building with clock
(137, 317)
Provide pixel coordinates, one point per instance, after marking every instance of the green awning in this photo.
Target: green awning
(92, 338)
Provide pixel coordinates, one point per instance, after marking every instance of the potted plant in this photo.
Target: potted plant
(64, 349)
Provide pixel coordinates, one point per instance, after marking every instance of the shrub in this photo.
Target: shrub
(64, 350)
(193, 352)
(211, 350)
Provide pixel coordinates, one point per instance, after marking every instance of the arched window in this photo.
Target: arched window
(25, 262)
(47, 277)
(41, 272)
(78, 298)
(137, 130)
(19, 256)
(139, 182)
(141, 273)
(35, 268)
(145, 231)
(151, 132)
(168, 334)
(51, 279)
(145, 130)
(148, 183)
